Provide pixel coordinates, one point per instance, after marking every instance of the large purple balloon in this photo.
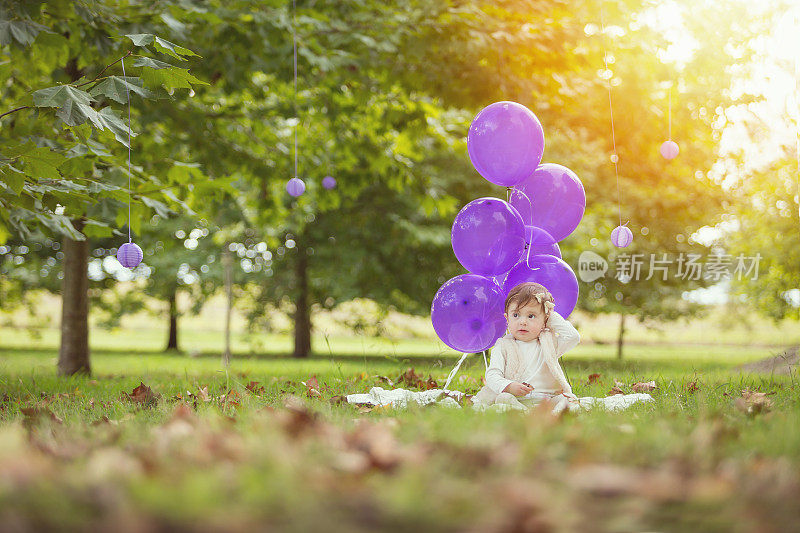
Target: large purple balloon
(467, 313)
(553, 273)
(505, 143)
(557, 200)
(488, 236)
(540, 242)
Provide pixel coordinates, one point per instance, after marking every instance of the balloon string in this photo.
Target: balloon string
(611, 110)
(511, 192)
(294, 48)
(127, 91)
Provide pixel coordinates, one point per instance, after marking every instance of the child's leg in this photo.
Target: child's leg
(511, 400)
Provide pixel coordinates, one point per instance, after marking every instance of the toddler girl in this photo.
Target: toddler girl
(524, 366)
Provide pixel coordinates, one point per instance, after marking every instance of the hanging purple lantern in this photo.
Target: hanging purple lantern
(621, 236)
(669, 150)
(329, 182)
(129, 255)
(295, 187)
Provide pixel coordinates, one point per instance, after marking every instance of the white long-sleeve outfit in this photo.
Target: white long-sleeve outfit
(532, 369)
(534, 362)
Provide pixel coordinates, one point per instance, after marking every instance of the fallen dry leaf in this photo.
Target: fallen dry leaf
(142, 395)
(34, 414)
(593, 378)
(617, 388)
(753, 402)
(232, 398)
(386, 380)
(336, 400)
(692, 386)
(645, 386)
(203, 394)
(314, 393)
(183, 412)
(255, 387)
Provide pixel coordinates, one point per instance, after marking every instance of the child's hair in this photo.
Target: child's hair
(526, 292)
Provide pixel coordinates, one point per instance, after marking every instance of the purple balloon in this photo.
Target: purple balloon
(129, 255)
(467, 313)
(553, 273)
(540, 242)
(488, 236)
(553, 199)
(505, 143)
(329, 182)
(621, 236)
(295, 187)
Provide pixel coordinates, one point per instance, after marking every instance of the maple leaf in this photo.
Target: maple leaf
(142, 395)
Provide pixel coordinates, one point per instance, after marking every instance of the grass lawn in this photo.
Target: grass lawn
(212, 454)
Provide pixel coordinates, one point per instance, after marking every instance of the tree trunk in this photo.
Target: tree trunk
(302, 316)
(227, 264)
(73, 356)
(172, 341)
(621, 334)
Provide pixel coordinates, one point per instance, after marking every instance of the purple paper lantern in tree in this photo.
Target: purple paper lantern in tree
(621, 236)
(488, 236)
(553, 273)
(295, 187)
(467, 313)
(552, 199)
(329, 182)
(669, 149)
(540, 242)
(129, 255)
(505, 143)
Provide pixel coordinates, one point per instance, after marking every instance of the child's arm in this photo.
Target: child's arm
(567, 337)
(495, 378)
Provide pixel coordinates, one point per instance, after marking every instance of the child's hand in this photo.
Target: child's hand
(518, 389)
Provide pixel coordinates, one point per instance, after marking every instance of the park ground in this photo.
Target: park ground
(159, 441)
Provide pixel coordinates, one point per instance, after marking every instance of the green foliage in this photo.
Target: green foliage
(62, 59)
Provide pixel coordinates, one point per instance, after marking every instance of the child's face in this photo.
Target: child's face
(525, 323)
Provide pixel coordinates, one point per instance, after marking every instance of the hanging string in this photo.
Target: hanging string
(615, 158)
(797, 124)
(669, 114)
(294, 48)
(127, 91)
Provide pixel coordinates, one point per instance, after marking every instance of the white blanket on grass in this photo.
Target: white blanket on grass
(399, 398)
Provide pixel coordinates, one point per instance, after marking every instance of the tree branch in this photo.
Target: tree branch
(13, 110)
(104, 69)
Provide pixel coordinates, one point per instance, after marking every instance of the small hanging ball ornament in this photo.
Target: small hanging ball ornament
(295, 187)
(621, 236)
(129, 255)
(669, 150)
(329, 182)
